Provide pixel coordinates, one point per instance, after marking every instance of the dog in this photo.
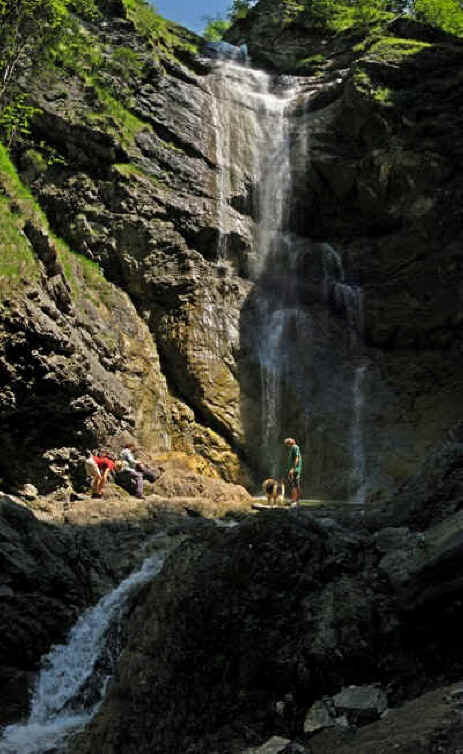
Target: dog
(275, 490)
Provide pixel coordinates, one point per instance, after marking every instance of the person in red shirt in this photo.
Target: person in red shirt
(100, 467)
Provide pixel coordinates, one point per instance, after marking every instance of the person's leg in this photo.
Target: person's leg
(294, 481)
(138, 478)
(102, 482)
(297, 488)
(93, 471)
(147, 473)
(95, 482)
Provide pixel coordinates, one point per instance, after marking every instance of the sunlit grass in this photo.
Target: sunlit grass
(18, 263)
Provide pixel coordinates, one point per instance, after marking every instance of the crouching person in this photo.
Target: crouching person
(129, 479)
(127, 456)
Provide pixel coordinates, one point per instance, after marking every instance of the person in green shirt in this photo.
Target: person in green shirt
(294, 469)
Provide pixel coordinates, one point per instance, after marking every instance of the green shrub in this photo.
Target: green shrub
(125, 62)
(445, 14)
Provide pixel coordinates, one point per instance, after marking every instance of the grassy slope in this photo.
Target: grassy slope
(81, 55)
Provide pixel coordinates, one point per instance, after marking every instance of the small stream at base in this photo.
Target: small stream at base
(74, 676)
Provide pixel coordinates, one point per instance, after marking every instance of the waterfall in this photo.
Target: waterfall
(74, 676)
(300, 362)
(347, 298)
(253, 158)
(358, 475)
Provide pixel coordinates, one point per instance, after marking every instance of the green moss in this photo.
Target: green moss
(394, 49)
(114, 117)
(125, 62)
(291, 10)
(383, 94)
(77, 50)
(85, 277)
(18, 263)
(310, 62)
(37, 160)
(129, 169)
(17, 260)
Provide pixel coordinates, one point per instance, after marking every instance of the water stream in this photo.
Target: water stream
(263, 152)
(74, 675)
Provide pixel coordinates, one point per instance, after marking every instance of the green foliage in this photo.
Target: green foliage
(17, 261)
(445, 14)
(115, 117)
(340, 15)
(215, 28)
(158, 32)
(32, 32)
(15, 118)
(30, 28)
(239, 9)
(125, 62)
(312, 65)
(76, 51)
(394, 49)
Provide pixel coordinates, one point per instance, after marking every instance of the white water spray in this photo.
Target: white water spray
(262, 152)
(358, 475)
(59, 704)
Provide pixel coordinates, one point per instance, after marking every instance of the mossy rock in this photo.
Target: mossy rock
(395, 49)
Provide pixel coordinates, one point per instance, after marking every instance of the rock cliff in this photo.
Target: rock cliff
(142, 166)
(247, 627)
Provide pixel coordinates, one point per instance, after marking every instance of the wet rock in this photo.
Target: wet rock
(275, 745)
(296, 748)
(360, 704)
(427, 724)
(391, 538)
(321, 715)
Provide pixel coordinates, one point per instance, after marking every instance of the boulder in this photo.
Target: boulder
(360, 704)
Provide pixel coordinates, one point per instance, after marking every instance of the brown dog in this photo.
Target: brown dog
(275, 490)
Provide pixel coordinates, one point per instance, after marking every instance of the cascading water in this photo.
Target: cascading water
(74, 676)
(358, 475)
(347, 298)
(253, 149)
(263, 127)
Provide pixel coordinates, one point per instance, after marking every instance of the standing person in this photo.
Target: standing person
(294, 469)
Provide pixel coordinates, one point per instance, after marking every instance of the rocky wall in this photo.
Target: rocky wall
(140, 195)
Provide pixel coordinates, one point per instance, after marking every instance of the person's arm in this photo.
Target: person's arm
(295, 453)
